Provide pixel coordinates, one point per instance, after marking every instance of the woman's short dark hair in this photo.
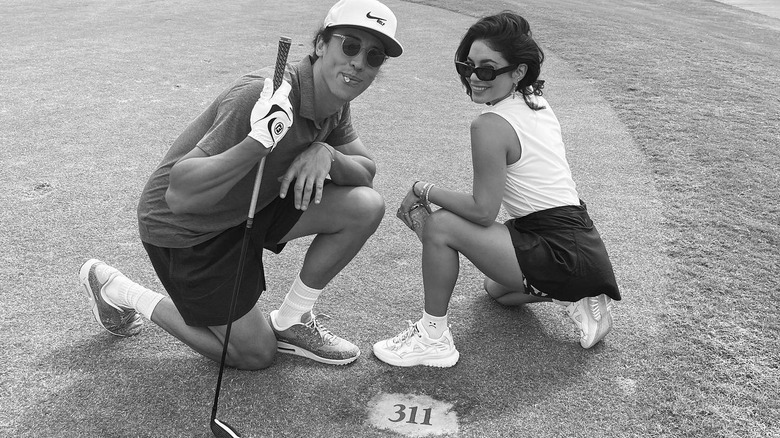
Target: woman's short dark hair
(510, 35)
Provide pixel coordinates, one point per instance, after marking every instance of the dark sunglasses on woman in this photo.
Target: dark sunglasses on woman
(351, 46)
(483, 73)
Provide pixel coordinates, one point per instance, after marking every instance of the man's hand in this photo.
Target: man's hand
(308, 170)
(272, 114)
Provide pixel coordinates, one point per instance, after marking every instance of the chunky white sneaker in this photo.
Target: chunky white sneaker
(414, 347)
(593, 317)
(119, 321)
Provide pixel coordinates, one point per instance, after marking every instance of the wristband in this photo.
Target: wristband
(426, 192)
(329, 149)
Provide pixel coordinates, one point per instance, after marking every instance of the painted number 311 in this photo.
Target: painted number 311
(401, 412)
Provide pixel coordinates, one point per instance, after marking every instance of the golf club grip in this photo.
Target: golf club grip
(281, 60)
(281, 64)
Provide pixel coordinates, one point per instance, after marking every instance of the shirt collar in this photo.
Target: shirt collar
(306, 81)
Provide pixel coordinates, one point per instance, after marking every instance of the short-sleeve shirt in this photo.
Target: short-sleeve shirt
(224, 124)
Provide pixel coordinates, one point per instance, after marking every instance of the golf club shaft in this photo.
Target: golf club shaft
(281, 62)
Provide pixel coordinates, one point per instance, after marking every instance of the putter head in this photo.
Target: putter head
(223, 430)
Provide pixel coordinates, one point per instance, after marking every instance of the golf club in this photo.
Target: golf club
(218, 428)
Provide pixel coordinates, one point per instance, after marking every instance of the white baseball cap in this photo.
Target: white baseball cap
(370, 15)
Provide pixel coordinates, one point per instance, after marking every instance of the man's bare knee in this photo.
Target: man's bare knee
(369, 206)
(252, 360)
(252, 352)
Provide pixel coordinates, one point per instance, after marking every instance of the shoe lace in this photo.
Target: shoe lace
(595, 309)
(314, 325)
(410, 331)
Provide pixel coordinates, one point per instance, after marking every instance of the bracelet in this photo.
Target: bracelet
(426, 192)
(329, 149)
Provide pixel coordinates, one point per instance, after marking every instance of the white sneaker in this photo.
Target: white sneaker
(593, 317)
(413, 347)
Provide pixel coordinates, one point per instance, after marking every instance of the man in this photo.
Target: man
(193, 209)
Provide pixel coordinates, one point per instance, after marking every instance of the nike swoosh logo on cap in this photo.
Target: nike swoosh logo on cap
(379, 20)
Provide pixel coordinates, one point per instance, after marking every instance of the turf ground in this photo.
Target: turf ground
(670, 111)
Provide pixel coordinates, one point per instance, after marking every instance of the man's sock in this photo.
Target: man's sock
(124, 292)
(299, 300)
(434, 325)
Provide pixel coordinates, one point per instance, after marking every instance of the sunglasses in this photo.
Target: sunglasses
(352, 46)
(483, 73)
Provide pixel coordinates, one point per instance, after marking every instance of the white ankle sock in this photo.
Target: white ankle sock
(299, 300)
(126, 293)
(434, 325)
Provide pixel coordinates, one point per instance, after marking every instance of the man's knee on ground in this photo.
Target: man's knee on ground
(253, 358)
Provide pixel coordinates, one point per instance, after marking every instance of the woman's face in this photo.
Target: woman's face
(481, 55)
(347, 76)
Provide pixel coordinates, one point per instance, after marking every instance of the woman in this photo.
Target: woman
(549, 250)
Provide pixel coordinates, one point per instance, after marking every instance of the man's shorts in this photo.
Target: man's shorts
(562, 255)
(200, 279)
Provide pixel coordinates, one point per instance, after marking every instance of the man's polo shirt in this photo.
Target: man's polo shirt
(225, 123)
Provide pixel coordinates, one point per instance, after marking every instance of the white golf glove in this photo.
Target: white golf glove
(272, 115)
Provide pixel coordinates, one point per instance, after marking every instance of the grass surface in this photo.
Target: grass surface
(671, 114)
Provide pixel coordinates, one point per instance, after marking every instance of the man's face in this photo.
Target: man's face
(347, 76)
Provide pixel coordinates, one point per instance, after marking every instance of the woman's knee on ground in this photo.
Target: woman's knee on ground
(495, 289)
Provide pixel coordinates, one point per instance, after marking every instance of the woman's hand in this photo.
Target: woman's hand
(413, 212)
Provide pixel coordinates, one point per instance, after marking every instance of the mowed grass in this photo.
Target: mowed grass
(694, 83)
(697, 86)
